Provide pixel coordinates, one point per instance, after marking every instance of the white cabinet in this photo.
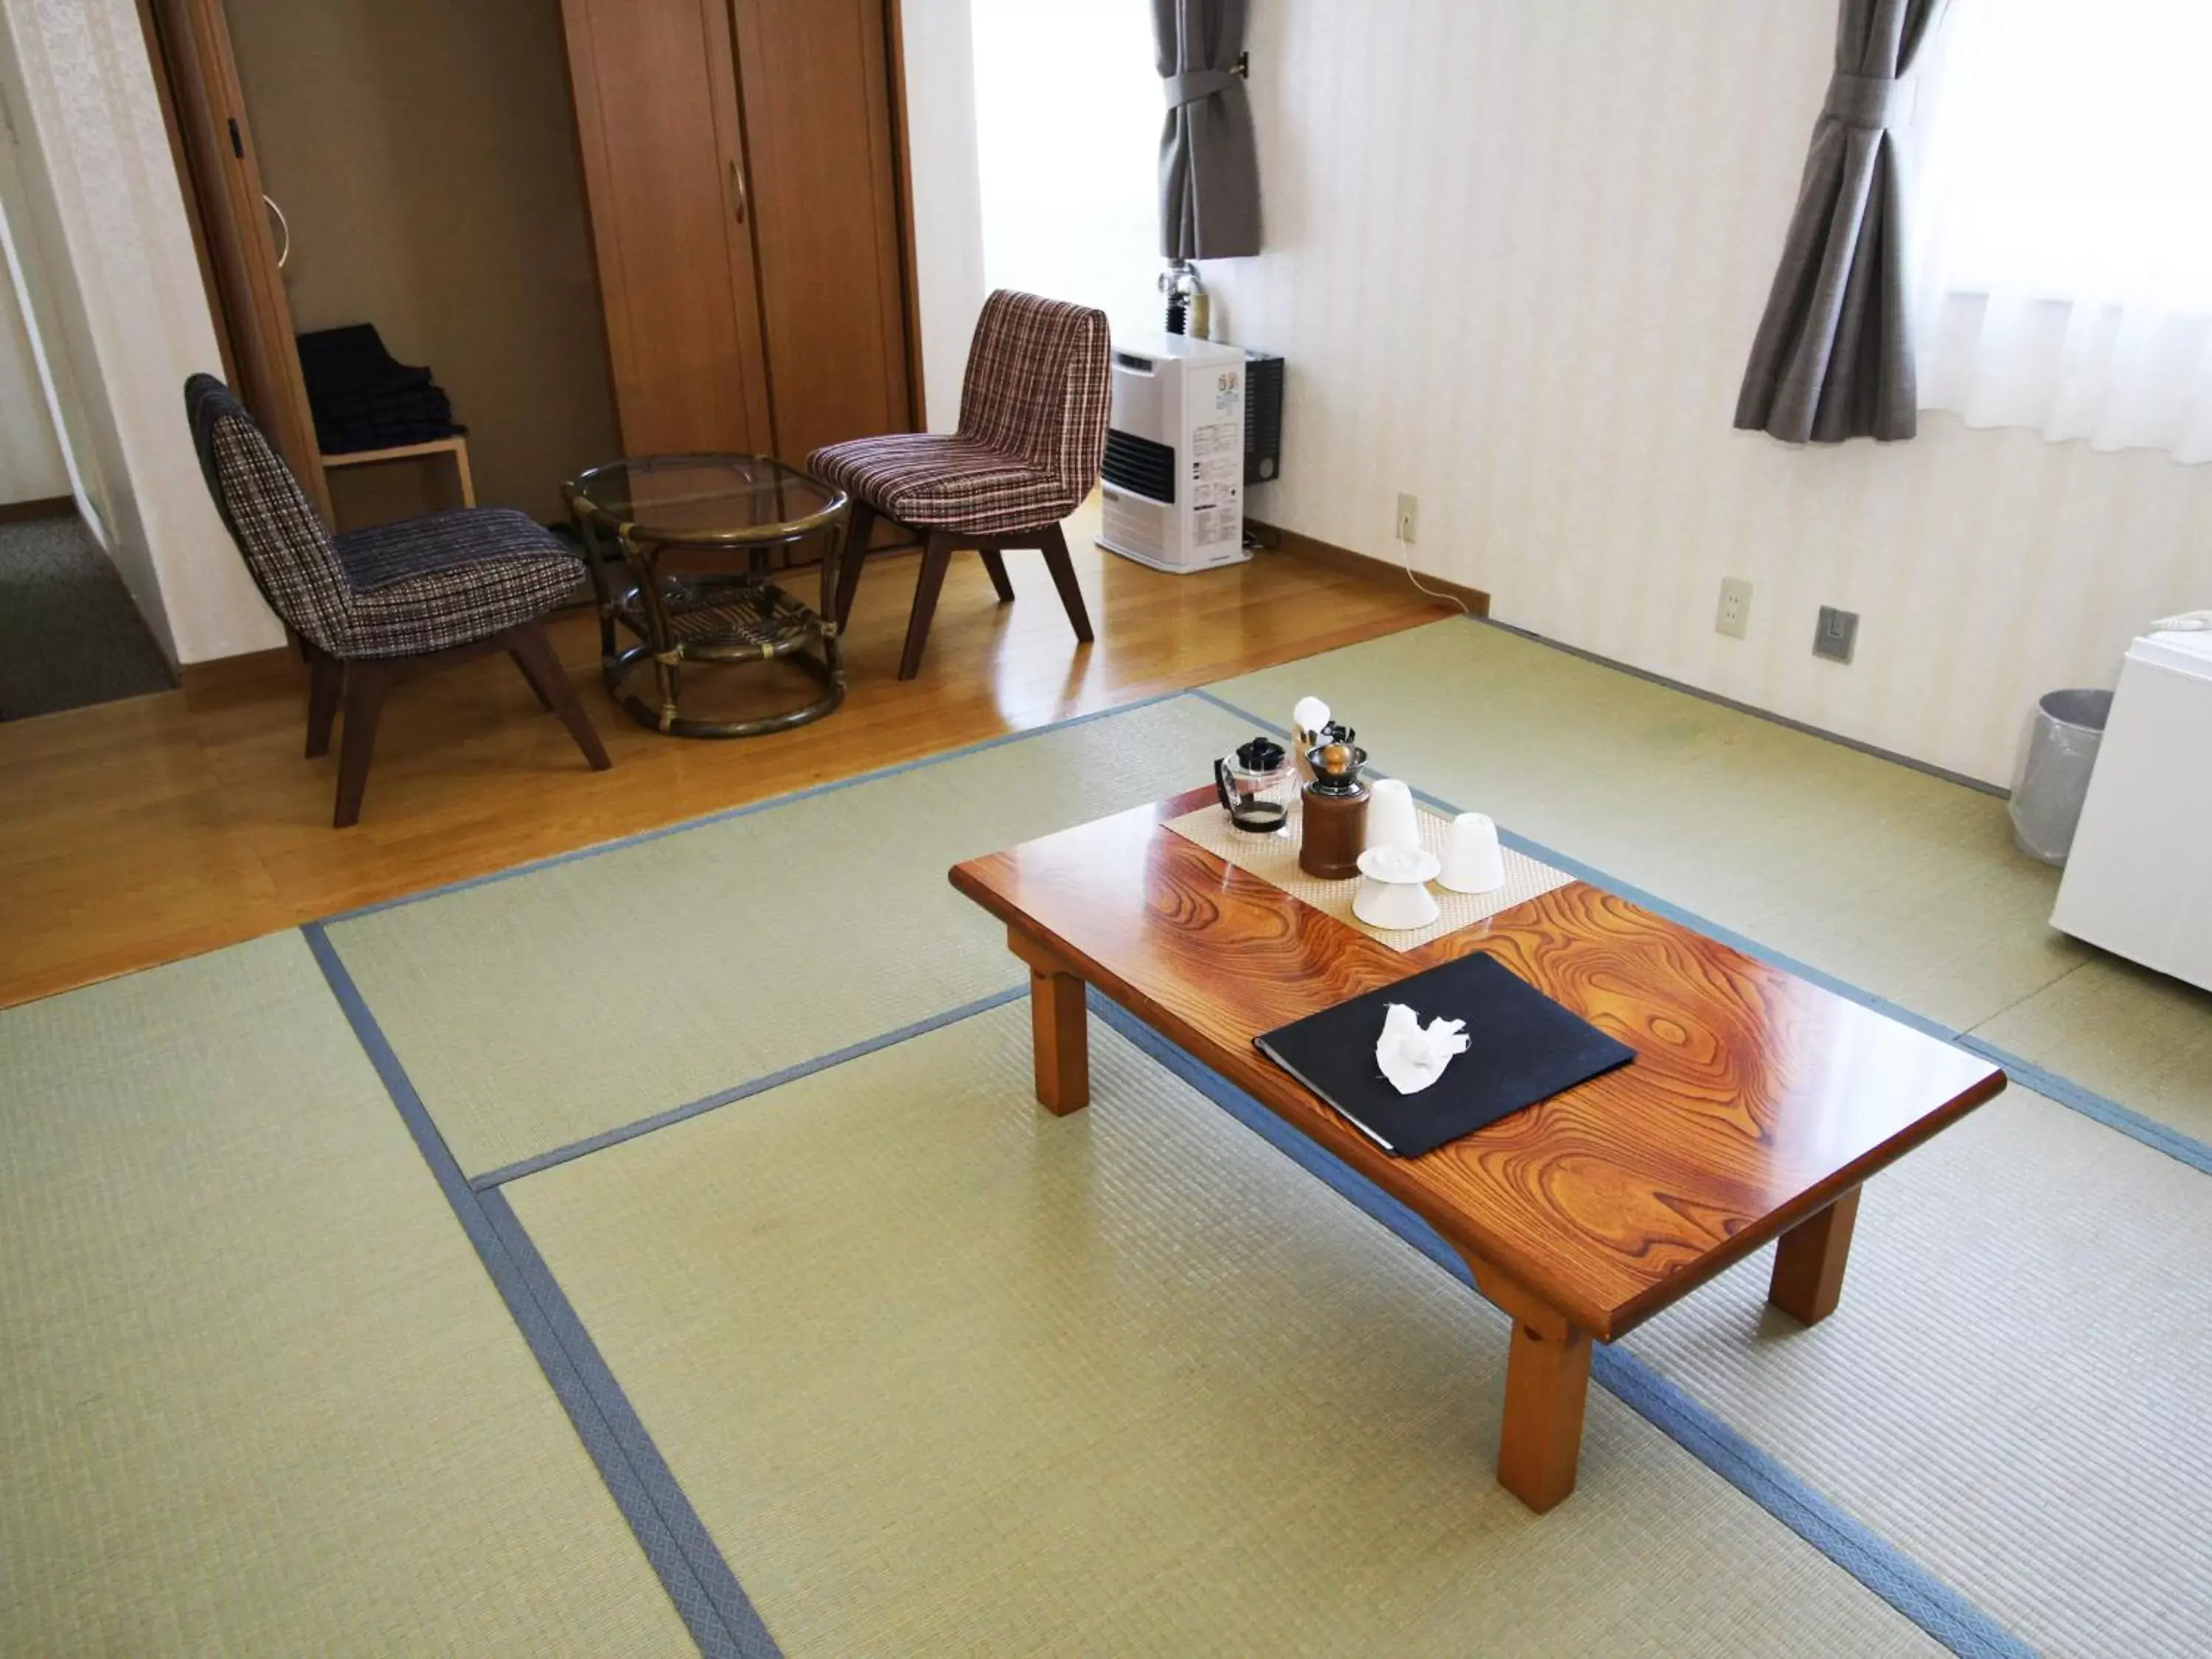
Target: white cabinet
(2139, 880)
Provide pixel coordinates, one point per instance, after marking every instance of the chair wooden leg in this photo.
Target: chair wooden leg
(536, 689)
(1063, 577)
(366, 683)
(936, 558)
(995, 562)
(326, 680)
(533, 653)
(858, 528)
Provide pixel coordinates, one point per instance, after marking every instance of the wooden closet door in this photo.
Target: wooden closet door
(657, 125)
(816, 79)
(198, 77)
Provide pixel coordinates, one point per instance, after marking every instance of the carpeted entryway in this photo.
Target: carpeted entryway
(733, 1273)
(70, 635)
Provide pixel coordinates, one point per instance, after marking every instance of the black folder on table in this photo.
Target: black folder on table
(1522, 1047)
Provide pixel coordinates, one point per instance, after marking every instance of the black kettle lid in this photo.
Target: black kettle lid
(1260, 754)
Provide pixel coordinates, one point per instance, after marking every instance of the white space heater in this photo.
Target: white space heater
(1173, 483)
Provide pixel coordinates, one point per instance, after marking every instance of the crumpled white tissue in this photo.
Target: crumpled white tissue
(1413, 1058)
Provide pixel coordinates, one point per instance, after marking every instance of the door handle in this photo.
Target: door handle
(283, 225)
(737, 188)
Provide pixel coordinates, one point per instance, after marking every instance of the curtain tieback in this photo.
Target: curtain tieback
(1869, 101)
(1198, 84)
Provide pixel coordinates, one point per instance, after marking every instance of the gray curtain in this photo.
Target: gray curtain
(1209, 164)
(1833, 357)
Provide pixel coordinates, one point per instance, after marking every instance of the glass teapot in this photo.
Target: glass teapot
(1257, 783)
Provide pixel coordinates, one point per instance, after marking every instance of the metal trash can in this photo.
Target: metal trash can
(2052, 779)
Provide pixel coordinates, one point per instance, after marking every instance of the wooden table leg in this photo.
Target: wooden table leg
(1809, 1261)
(1539, 1439)
(1060, 1028)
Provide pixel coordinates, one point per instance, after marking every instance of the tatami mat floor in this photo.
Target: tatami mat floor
(1129, 1381)
(939, 1373)
(600, 990)
(256, 1396)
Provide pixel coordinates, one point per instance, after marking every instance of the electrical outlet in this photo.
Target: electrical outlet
(1734, 615)
(1409, 517)
(1838, 635)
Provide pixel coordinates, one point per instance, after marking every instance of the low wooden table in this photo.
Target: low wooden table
(1756, 1106)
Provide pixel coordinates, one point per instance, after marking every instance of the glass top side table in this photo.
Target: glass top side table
(655, 504)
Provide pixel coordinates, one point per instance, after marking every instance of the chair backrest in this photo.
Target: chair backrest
(276, 526)
(1038, 386)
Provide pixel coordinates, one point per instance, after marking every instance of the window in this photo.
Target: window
(2063, 221)
(1068, 114)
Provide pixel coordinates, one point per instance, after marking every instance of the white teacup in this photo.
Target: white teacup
(1394, 888)
(1391, 819)
(1473, 862)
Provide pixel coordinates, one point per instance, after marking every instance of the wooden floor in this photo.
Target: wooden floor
(138, 832)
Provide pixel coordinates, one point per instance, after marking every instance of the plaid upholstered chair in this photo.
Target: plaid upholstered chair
(1032, 429)
(372, 606)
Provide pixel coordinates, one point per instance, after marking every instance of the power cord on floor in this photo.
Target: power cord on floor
(1255, 542)
(1408, 562)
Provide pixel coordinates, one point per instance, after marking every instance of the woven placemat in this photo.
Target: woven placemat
(1275, 859)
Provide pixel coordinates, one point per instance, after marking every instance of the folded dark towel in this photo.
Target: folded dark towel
(362, 399)
(427, 404)
(345, 362)
(378, 411)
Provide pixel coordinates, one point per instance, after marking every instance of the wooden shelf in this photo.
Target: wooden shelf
(456, 446)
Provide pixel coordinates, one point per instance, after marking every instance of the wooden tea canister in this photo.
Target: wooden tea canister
(1334, 831)
(1335, 810)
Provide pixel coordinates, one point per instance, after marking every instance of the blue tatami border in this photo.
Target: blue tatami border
(575, 1149)
(640, 837)
(698, 1580)
(2160, 1137)
(1884, 1569)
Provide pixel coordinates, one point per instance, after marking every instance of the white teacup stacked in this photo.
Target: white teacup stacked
(1395, 869)
(1394, 888)
(1392, 820)
(1474, 863)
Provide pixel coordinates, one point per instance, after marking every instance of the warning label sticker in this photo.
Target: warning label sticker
(1216, 479)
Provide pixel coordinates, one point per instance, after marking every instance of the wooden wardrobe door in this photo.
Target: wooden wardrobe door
(657, 125)
(815, 75)
(196, 62)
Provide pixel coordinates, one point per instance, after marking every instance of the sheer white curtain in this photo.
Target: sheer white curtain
(2064, 221)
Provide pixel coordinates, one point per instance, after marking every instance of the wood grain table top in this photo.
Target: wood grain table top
(1754, 1100)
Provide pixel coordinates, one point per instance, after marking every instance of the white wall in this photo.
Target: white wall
(30, 466)
(1517, 254)
(34, 284)
(95, 194)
